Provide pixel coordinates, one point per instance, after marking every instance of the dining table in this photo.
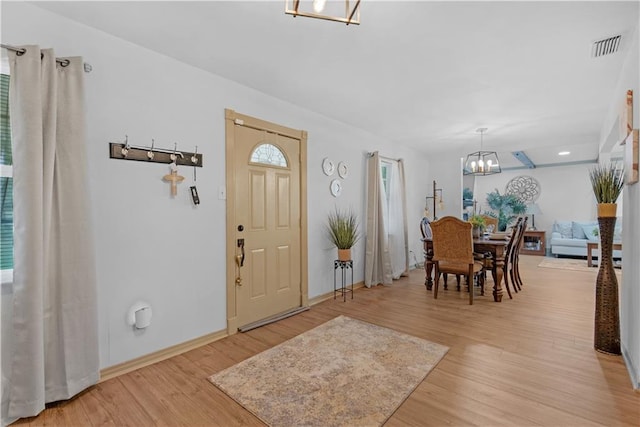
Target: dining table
(493, 249)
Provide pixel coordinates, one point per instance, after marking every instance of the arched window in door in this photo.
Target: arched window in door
(269, 154)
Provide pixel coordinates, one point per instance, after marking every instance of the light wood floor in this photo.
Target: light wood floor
(526, 361)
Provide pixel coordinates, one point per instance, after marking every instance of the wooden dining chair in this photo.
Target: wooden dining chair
(511, 257)
(490, 220)
(515, 257)
(425, 230)
(515, 232)
(453, 252)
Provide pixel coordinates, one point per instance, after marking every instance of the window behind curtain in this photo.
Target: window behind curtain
(6, 180)
(385, 171)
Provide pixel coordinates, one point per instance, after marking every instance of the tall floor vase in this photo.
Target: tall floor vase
(607, 317)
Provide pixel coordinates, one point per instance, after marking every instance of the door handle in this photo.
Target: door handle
(239, 278)
(240, 258)
(240, 261)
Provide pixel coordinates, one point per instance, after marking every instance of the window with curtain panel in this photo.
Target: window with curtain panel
(6, 184)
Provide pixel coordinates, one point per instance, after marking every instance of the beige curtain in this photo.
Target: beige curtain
(54, 322)
(377, 265)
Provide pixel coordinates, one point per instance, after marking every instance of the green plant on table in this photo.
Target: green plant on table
(477, 221)
(342, 228)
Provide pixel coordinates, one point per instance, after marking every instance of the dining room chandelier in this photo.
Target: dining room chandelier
(482, 162)
(345, 11)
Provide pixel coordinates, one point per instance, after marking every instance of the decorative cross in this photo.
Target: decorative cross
(175, 179)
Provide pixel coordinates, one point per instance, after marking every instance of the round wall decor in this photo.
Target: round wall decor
(343, 170)
(328, 167)
(525, 188)
(335, 187)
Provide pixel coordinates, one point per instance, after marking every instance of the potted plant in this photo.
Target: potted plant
(607, 182)
(507, 206)
(478, 223)
(342, 228)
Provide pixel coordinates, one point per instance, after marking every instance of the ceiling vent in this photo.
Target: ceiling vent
(605, 46)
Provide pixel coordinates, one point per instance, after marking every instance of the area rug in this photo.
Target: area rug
(344, 372)
(569, 264)
(566, 264)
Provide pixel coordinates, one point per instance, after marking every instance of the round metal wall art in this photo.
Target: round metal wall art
(525, 188)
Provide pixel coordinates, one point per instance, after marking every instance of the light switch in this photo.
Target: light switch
(222, 193)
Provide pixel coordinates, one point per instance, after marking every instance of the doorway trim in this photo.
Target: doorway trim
(230, 122)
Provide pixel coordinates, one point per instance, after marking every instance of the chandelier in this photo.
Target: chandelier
(345, 11)
(482, 162)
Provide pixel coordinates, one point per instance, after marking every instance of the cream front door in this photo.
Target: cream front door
(266, 224)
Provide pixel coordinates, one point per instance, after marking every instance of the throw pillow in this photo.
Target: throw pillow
(592, 232)
(564, 228)
(576, 230)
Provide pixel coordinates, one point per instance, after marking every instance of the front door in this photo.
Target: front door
(265, 225)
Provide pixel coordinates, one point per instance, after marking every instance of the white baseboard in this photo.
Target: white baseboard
(633, 372)
(329, 295)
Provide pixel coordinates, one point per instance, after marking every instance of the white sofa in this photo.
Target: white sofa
(569, 238)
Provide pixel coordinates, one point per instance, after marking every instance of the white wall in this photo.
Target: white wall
(446, 171)
(164, 250)
(630, 287)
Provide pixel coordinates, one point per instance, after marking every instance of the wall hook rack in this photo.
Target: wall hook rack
(152, 154)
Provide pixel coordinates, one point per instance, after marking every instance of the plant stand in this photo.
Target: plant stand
(607, 316)
(344, 266)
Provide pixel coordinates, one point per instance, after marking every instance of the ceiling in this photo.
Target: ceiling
(423, 73)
